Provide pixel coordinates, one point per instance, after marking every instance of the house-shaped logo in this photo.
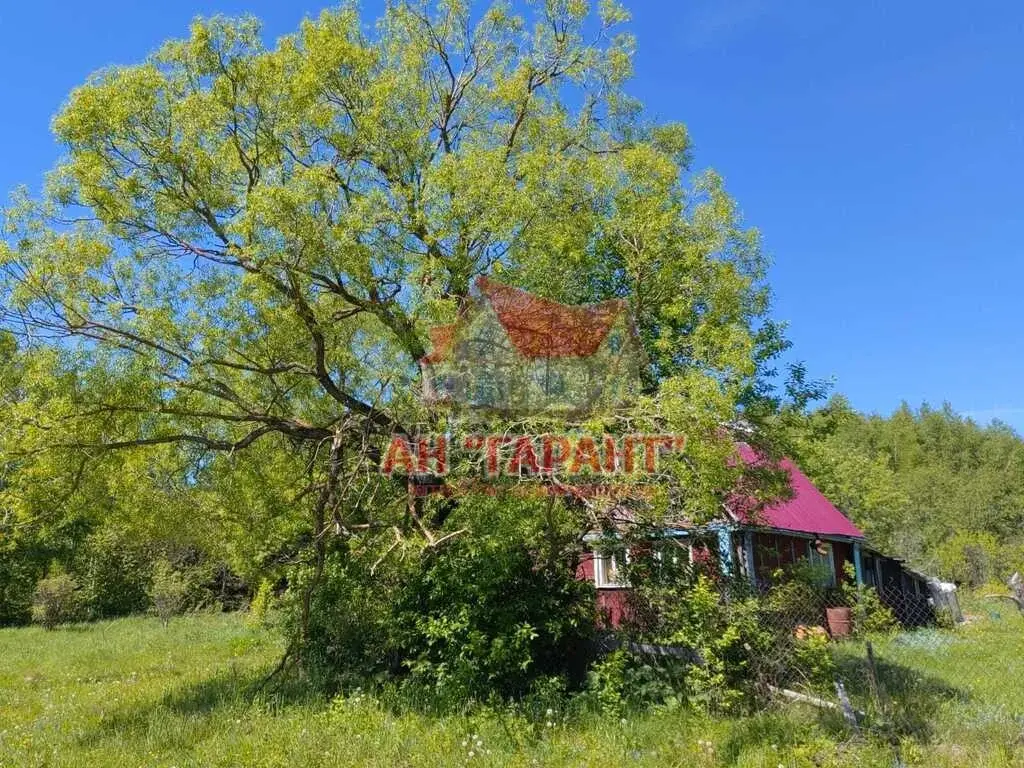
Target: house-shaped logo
(511, 352)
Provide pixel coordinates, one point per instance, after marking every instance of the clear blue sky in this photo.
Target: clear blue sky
(879, 148)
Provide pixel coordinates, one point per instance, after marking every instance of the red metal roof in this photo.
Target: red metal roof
(808, 511)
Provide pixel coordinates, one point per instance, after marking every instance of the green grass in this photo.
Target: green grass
(133, 693)
(957, 695)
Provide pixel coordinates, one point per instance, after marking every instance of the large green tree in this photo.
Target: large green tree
(243, 248)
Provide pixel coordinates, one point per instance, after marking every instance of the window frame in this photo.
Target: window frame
(815, 558)
(605, 562)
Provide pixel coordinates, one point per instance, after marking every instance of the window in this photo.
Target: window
(672, 558)
(606, 568)
(822, 558)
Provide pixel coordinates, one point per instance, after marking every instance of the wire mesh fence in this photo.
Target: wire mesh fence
(903, 667)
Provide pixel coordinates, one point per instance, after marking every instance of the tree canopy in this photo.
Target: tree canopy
(220, 300)
(246, 243)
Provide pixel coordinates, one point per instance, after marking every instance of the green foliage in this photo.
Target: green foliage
(974, 558)
(476, 616)
(21, 566)
(183, 695)
(609, 687)
(169, 591)
(928, 485)
(870, 615)
(228, 334)
(484, 616)
(813, 660)
(57, 600)
(674, 604)
(798, 597)
(262, 603)
(114, 571)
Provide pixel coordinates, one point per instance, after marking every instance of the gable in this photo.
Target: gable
(808, 511)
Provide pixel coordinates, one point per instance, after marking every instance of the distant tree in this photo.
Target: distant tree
(929, 485)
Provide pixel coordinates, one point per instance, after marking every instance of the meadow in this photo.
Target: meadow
(132, 692)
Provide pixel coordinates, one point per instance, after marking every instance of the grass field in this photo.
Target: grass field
(131, 693)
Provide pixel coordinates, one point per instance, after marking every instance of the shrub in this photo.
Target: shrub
(720, 621)
(114, 571)
(18, 577)
(57, 600)
(813, 659)
(169, 591)
(796, 600)
(482, 615)
(944, 618)
(973, 558)
(870, 615)
(607, 683)
(261, 603)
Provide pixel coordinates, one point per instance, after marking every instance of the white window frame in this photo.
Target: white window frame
(605, 563)
(815, 558)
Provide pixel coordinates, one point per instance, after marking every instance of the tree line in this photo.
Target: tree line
(926, 484)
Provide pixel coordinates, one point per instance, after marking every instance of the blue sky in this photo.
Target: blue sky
(879, 148)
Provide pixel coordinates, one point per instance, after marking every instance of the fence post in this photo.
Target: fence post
(881, 701)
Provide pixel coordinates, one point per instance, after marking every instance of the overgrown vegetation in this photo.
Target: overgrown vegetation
(213, 315)
(481, 616)
(57, 600)
(210, 329)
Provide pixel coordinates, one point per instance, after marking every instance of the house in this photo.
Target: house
(510, 351)
(804, 527)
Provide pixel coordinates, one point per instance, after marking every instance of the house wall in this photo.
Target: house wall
(843, 555)
(905, 593)
(612, 602)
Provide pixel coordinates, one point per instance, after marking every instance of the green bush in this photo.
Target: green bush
(18, 577)
(169, 591)
(974, 558)
(26, 554)
(114, 570)
(813, 661)
(481, 615)
(870, 615)
(57, 600)
(608, 683)
(717, 619)
(262, 603)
